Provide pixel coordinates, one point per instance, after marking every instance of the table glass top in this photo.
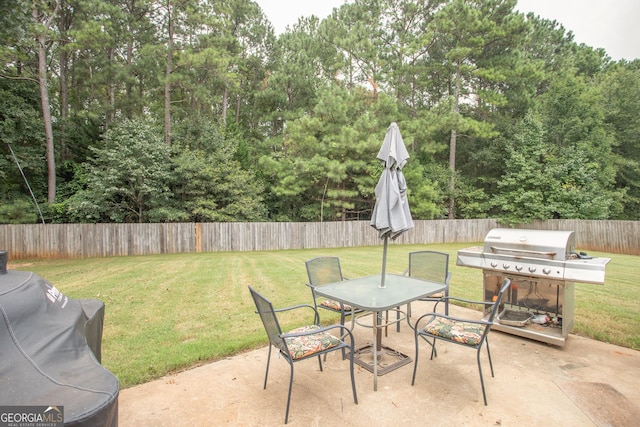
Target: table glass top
(366, 292)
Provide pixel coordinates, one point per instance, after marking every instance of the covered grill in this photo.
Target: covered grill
(543, 267)
(50, 352)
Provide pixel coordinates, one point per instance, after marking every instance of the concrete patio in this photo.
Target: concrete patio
(584, 383)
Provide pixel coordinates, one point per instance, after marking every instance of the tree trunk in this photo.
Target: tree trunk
(238, 101)
(111, 89)
(167, 83)
(63, 26)
(452, 169)
(64, 100)
(128, 113)
(225, 94)
(46, 113)
(452, 146)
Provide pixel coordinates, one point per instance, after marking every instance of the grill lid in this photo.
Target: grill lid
(534, 253)
(544, 244)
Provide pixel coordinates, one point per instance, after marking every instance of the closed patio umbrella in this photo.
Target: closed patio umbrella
(391, 215)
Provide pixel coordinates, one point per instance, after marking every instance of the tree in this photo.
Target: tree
(20, 127)
(528, 178)
(560, 164)
(20, 135)
(210, 183)
(620, 87)
(327, 168)
(300, 66)
(456, 75)
(128, 180)
(470, 37)
(43, 16)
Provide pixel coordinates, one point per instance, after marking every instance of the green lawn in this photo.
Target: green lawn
(171, 312)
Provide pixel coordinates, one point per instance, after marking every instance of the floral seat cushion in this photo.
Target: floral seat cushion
(462, 332)
(307, 345)
(436, 296)
(335, 305)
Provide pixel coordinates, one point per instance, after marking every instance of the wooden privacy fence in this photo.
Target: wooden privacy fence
(616, 237)
(102, 240)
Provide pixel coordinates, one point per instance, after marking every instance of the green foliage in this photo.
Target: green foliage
(129, 179)
(21, 129)
(210, 185)
(620, 87)
(328, 158)
(423, 192)
(18, 211)
(302, 115)
(544, 179)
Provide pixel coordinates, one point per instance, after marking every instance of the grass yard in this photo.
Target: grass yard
(167, 313)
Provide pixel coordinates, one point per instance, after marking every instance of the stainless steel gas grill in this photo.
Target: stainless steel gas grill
(543, 267)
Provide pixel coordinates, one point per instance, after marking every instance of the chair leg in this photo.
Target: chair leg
(415, 361)
(433, 349)
(489, 354)
(266, 374)
(286, 415)
(320, 360)
(446, 302)
(353, 378)
(484, 394)
(342, 319)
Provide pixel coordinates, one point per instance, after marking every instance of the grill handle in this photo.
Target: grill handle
(522, 251)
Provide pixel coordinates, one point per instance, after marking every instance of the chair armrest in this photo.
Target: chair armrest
(295, 307)
(404, 273)
(468, 301)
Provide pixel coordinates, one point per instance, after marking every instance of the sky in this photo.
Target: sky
(609, 24)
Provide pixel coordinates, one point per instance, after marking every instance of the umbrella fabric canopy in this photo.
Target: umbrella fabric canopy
(391, 215)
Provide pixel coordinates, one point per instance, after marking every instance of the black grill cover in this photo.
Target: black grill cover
(50, 351)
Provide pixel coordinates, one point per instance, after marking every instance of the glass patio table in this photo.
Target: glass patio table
(367, 293)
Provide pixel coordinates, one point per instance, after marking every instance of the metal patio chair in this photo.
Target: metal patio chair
(434, 267)
(323, 270)
(467, 332)
(301, 343)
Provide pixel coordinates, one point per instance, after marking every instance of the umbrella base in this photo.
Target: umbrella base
(388, 359)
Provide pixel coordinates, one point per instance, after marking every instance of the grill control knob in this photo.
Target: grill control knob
(519, 267)
(494, 264)
(506, 266)
(532, 269)
(546, 270)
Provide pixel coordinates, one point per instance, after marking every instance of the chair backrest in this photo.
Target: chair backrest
(496, 305)
(323, 270)
(269, 320)
(429, 265)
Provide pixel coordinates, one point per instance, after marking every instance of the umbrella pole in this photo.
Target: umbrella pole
(384, 261)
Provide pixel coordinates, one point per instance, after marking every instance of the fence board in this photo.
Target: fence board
(24, 241)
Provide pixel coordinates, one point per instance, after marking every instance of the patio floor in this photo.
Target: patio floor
(584, 383)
